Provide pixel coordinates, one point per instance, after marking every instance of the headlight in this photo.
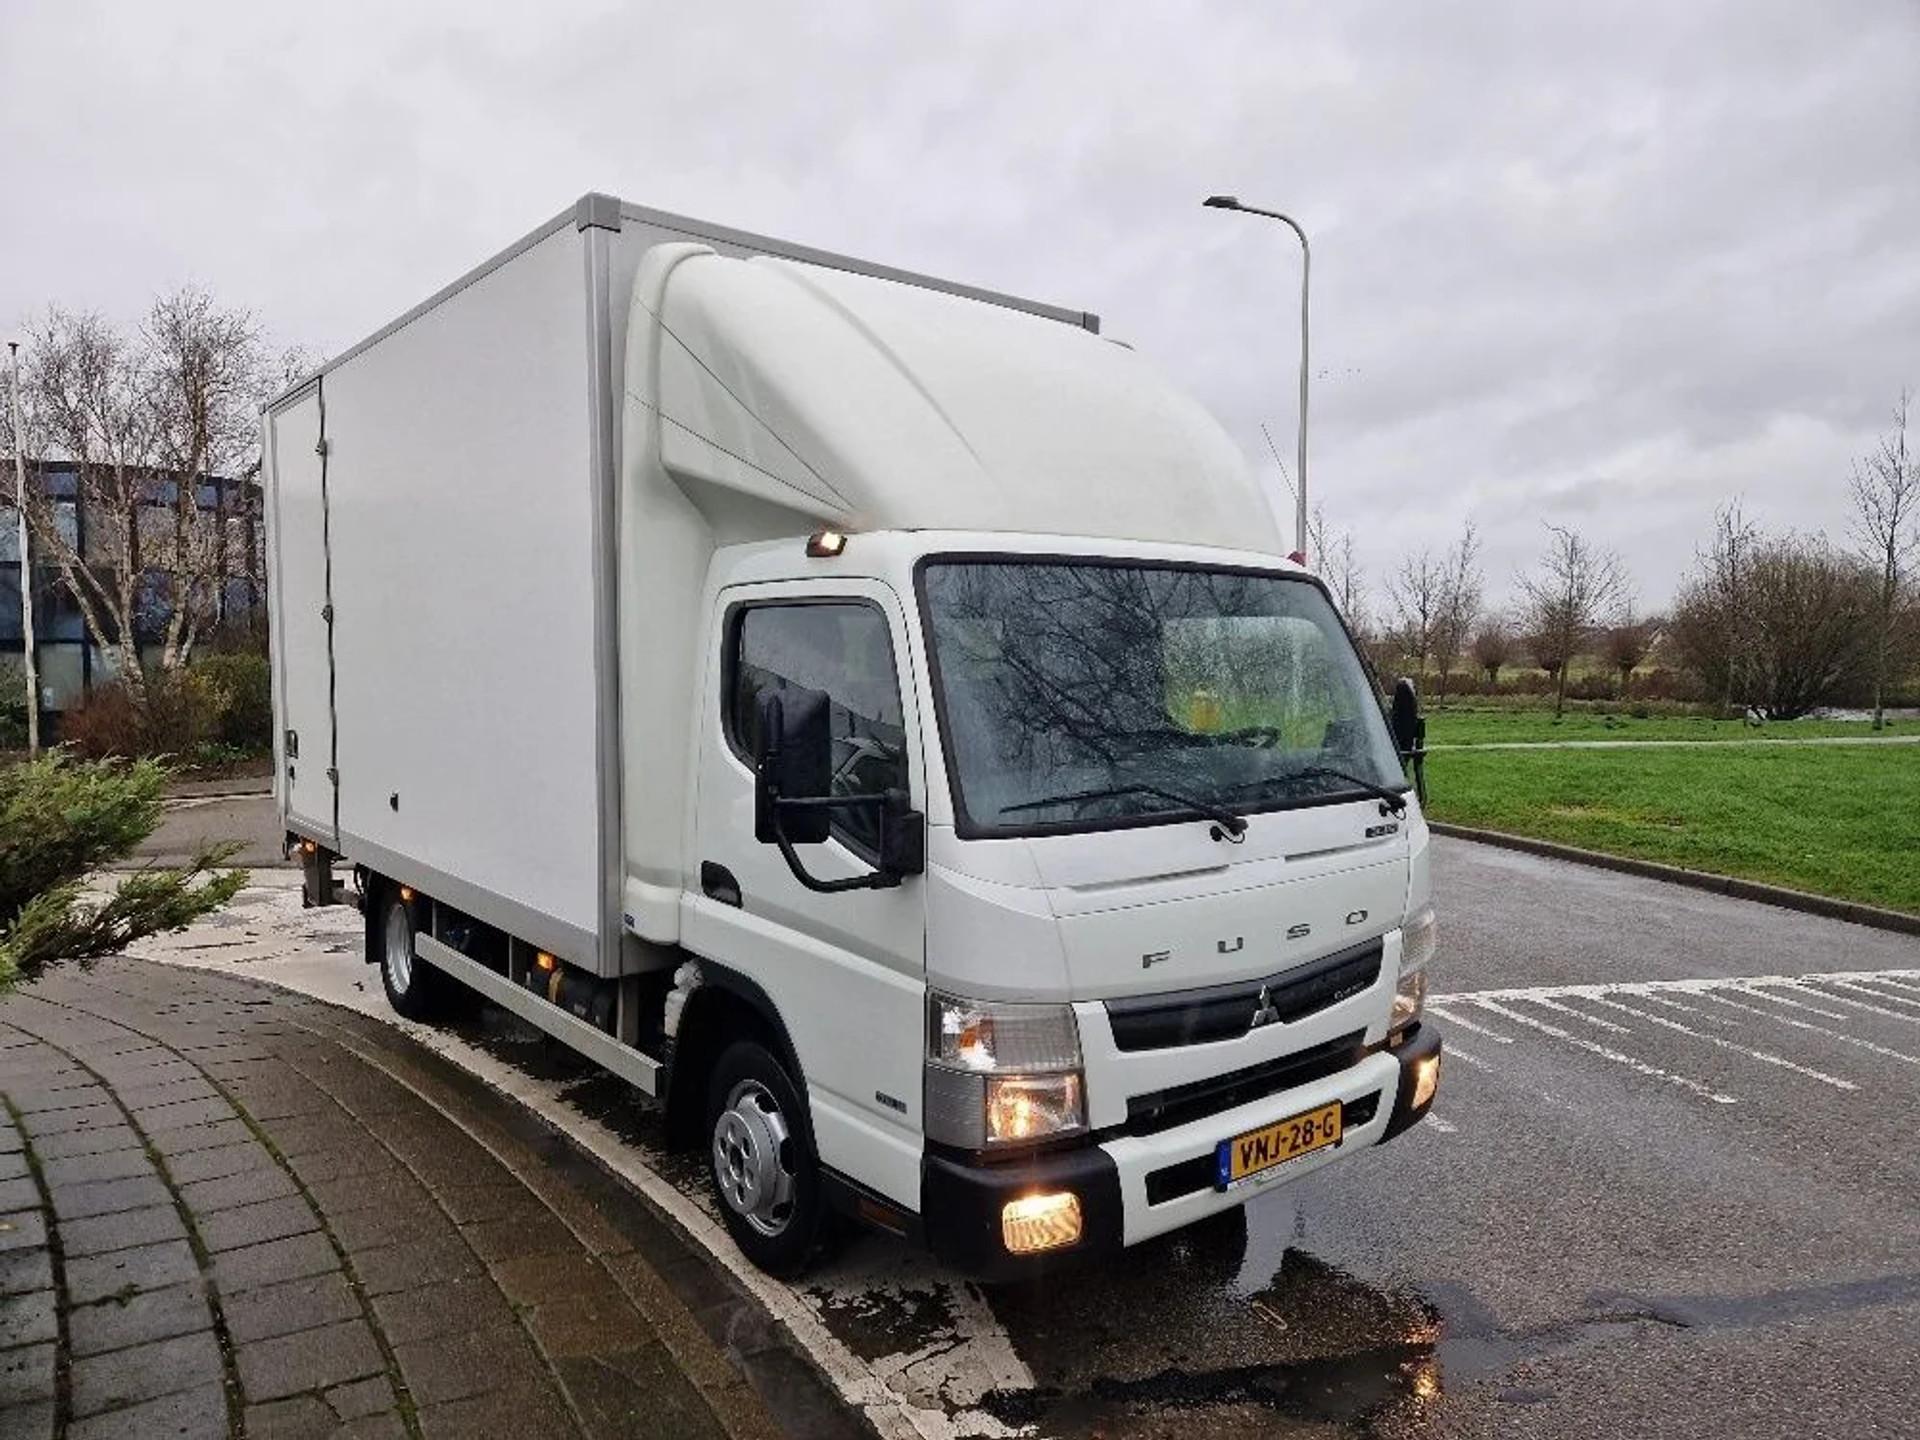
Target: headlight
(1418, 938)
(1001, 1074)
(1408, 998)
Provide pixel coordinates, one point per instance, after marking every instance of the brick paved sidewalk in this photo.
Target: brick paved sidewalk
(226, 1210)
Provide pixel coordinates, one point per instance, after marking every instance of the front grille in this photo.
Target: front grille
(1160, 1110)
(1188, 1177)
(1226, 1012)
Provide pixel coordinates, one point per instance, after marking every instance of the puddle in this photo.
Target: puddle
(1187, 1325)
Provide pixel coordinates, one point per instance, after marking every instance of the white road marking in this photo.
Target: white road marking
(1900, 984)
(1593, 1020)
(1825, 992)
(1666, 1002)
(1780, 1019)
(1860, 987)
(1759, 994)
(1891, 990)
(1761, 1055)
(1453, 1019)
(1639, 1067)
(1665, 987)
(1438, 1126)
(1454, 1052)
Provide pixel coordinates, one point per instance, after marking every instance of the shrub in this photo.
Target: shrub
(242, 688)
(182, 711)
(60, 818)
(105, 722)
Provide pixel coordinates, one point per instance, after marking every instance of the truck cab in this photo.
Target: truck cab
(1165, 942)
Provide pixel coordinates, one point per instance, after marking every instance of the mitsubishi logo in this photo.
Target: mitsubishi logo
(1263, 1011)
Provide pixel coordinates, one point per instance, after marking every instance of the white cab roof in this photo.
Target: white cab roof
(868, 404)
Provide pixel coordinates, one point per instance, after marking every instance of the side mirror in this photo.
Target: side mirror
(1408, 728)
(794, 803)
(792, 760)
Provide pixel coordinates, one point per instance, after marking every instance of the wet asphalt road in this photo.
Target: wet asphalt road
(1670, 1188)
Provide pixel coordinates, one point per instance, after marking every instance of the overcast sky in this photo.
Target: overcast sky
(1607, 268)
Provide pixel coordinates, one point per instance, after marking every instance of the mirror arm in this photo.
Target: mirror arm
(1418, 756)
(879, 879)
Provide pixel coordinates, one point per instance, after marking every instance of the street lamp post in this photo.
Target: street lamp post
(26, 560)
(1232, 202)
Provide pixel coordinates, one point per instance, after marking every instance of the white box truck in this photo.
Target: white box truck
(872, 715)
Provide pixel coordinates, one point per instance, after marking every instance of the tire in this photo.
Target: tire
(414, 988)
(761, 1160)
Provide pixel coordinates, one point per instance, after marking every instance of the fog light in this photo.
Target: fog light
(1426, 1079)
(1040, 1222)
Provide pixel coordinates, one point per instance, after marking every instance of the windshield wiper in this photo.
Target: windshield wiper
(1392, 799)
(1234, 825)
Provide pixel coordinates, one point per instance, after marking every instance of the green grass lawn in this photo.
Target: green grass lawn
(1484, 727)
(1838, 820)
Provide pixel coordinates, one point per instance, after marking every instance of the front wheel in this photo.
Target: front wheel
(763, 1165)
(414, 988)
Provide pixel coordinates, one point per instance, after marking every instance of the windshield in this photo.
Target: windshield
(1086, 694)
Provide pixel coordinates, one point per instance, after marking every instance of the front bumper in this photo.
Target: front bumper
(962, 1197)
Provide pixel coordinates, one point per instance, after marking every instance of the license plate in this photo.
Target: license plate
(1258, 1151)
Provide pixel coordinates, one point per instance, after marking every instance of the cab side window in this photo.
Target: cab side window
(842, 648)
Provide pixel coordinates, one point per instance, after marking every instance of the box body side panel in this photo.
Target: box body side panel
(461, 492)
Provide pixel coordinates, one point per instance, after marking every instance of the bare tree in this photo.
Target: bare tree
(1575, 585)
(1626, 643)
(1804, 629)
(89, 391)
(1492, 648)
(1812, 610)
(1712, 620)
(208, 373)
(1886, 527)
(1339, 565)
(148, 422)
(1545, 649)
(1461, 590)
(1417, 592)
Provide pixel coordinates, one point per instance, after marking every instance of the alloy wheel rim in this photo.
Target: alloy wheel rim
(753, 1158)
(399, 950)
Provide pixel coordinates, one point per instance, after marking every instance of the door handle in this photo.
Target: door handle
(717, 883)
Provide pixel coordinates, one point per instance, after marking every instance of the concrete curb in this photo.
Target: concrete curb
(233, 789)
(1832, 909)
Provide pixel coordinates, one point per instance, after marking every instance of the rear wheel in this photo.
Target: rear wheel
(762, 1161)
(414, 987)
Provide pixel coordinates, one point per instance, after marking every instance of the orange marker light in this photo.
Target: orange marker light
(406, 893)
(825, 544)
(545, 961)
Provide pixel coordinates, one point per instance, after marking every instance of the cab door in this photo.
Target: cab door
(845, 970)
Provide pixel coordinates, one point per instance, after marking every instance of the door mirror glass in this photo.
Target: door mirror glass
(1408, 728)
(793, 759)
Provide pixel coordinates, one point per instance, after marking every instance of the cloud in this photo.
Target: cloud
(1606, 266)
